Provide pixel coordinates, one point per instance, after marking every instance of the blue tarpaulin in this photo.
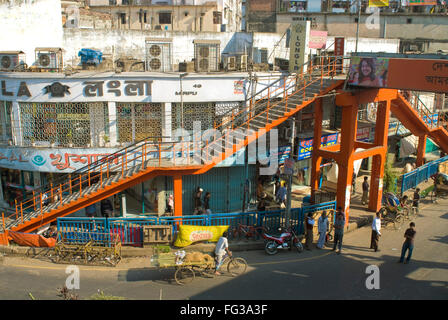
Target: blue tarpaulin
(90, 56)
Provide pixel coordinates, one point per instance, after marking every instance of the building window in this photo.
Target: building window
(144, 17)
(112, 2)
(138, 121)
(78, 124)
(5, 121)
(123, 18)
(217, 17)
(164, 17)
(125, 2)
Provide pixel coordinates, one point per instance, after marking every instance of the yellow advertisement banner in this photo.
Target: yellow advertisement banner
(378, 3)
(190, 234)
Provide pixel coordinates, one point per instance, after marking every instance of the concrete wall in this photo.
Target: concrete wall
(26, 25)
(132, 43)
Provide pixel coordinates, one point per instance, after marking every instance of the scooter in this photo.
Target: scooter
(286, 240)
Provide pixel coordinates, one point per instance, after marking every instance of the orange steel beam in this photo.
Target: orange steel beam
(421, 150)
(369, 153)
(379, 160)
(345, 162)
(315, 158)
(177, 179)
(364, 145)
(344, 99)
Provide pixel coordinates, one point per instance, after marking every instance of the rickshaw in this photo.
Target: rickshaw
(392, 211)
(440, 185)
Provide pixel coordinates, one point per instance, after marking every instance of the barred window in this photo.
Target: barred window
(5, 121)
(65, 124)
(203, 112)
(137, 121)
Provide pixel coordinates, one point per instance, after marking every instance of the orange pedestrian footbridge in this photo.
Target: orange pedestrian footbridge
(264, 111)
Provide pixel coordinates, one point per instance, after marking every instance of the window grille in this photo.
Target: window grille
(5, 121)
(137, 121)
(203, 112)
(64, 124)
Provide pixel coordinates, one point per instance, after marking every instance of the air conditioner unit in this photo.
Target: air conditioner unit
(231, 64)
(49, 58)
(157, 27)
(243, 62)
(206, 55)
(158, 55)
(12, 60)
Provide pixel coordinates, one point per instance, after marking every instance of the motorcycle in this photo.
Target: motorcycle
(286, 240)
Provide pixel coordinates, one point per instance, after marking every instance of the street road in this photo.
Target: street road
(316, 274)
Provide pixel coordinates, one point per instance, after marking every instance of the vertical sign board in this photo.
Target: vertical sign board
(339, 51)
(298, 45)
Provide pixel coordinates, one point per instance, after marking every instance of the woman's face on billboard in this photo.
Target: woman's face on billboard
(365, 68)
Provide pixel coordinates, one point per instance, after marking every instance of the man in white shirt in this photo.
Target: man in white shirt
(222, 247)
(322, 228)
(376, 227)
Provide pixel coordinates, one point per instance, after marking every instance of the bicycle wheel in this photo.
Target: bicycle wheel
(184, 275)
(237, 266)
(398, 222)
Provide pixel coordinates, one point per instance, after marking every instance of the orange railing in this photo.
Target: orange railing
(155, 152)
(425, 114)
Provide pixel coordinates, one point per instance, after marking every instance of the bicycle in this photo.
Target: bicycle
(186, 273)
(248, 231)
(387, 217)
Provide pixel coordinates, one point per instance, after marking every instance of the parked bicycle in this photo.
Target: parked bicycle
(248, 232)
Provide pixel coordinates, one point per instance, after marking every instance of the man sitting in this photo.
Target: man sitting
(222, 247)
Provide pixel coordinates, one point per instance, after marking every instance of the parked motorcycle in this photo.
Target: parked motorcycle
(286, 240)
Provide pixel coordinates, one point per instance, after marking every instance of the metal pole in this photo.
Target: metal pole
(289, 189)
(357, 25)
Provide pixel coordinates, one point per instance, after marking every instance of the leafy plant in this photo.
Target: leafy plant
(106, 138)
(390, 178)
(102, 296)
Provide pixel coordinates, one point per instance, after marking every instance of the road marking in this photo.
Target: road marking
(288, 261)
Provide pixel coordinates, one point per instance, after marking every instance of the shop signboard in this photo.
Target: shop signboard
(306, 145)
(422, 2)
(378, 3)
(318, 39)
(339, 46)
(410, 74)
(298, 45)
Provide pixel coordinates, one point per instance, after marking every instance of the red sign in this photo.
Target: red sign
(339, 46)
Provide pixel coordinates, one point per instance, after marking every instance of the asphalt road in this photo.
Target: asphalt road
(316, 274)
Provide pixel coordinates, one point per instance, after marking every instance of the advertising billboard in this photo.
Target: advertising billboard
(368, 72)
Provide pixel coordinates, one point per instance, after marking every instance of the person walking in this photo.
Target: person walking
(107, 209)
(365, 191)
(339, 224)
(322, 228)
(197, 201)
(309, 231)
(376, 227)
(207, 203)
(416, 200)
(408, 243)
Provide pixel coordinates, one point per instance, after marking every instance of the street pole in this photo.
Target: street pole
(289, 189)
(357, 25)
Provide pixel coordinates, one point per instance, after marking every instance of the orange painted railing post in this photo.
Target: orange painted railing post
(41, 204)
(51, 191)
(60, 190)
(88, 174)
(101, 175)
(321, 71)
(34, 200)
(177, 188)
(17, 209)
(21, 211)
(70, 185)
(3, 221)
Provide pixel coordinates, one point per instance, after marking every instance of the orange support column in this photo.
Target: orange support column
(379, 160)
(177, 195)
(345, 162)
(421, 149)
(315, 159)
